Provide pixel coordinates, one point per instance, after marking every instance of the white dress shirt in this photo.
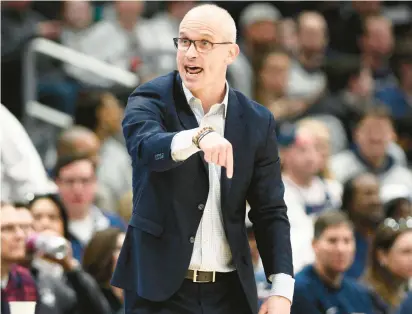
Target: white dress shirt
(211, 251)
(21, 170)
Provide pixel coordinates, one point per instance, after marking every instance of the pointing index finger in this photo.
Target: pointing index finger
(229, 162)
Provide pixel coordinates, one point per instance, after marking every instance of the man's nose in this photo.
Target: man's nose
(191, 51)
(20, 234)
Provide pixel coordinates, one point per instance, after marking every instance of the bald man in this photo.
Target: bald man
(200, 150)
(79, 140)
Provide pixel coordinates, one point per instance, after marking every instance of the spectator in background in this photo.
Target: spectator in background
(376, 45)
(77, 29)
(306, 194)
(76, 179)
(100, 259)
(22, 172)
(322, 287)
(258, 27)
(361, 201)
(390, 264)
(398, 97)
(322, 142)
(307, 81)
(102, 113)
(19, 25)
(115, 41)
(272, 76)
(63, 287)
(351, 89)
(17, 284)
(373, 136)
(397, 201)
(288, 36)
(79, 140)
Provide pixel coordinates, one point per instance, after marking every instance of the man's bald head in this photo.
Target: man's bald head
(311, 20)
(78, 140)
(313, 37)
(211, 13)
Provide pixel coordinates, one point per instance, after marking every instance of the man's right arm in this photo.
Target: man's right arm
(147, 139)
(149, 143)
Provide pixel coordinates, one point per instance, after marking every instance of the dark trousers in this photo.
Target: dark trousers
(225, 296)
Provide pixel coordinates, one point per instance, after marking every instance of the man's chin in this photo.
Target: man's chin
(191, 84)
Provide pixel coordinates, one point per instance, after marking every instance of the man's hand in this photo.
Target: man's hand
(275, 305)
(219, 151)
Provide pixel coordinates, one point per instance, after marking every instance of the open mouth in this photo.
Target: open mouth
(192, 70)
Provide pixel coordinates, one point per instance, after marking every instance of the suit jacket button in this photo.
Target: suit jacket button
(192, 239)
(201, 207)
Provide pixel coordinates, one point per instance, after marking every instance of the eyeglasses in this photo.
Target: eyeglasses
(403, 223)
(202, 45)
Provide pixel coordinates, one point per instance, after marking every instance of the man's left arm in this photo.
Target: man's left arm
(269, 216)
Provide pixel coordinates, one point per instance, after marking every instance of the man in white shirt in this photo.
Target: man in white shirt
(200, 150)
(21, 172)
(306, 193)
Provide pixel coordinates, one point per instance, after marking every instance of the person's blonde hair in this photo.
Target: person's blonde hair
(319, 130)
(316, 126)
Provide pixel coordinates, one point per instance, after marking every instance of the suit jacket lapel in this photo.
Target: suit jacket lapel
(185, 113)
(234, 127)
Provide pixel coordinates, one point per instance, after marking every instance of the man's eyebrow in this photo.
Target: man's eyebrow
(202, 36)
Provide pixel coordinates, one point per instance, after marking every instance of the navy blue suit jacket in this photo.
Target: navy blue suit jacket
(168, 196)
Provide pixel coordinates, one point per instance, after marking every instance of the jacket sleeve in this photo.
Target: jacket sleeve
(147, 140)
(89, 297)
(268, 211)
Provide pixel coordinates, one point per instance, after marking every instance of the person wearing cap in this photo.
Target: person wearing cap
(306, 193)
(258, 25)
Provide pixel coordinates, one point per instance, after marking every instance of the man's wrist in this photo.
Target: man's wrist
(201, 134)
(282, 285)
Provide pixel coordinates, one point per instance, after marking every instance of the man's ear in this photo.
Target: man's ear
(233, 53)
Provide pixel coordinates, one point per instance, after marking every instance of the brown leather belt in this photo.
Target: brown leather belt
(204, 276)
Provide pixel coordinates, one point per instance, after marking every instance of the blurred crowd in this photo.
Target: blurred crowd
(336, 75)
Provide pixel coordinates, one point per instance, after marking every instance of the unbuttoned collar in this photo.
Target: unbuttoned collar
(190, 98)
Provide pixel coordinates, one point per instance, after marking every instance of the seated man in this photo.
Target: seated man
(321, 287)
(17, 284)
(373, 136)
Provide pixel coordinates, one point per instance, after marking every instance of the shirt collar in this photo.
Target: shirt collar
(189, 96)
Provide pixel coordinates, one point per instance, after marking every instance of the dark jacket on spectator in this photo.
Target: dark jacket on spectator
(406, 306)
(75, 293)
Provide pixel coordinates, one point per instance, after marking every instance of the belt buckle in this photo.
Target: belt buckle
(200, 281)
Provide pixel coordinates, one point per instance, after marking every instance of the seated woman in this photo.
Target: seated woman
(50, 218)
(390, 264)
(99, 260)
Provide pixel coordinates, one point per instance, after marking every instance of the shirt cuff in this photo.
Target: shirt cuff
(182, 146)
(282, 285)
